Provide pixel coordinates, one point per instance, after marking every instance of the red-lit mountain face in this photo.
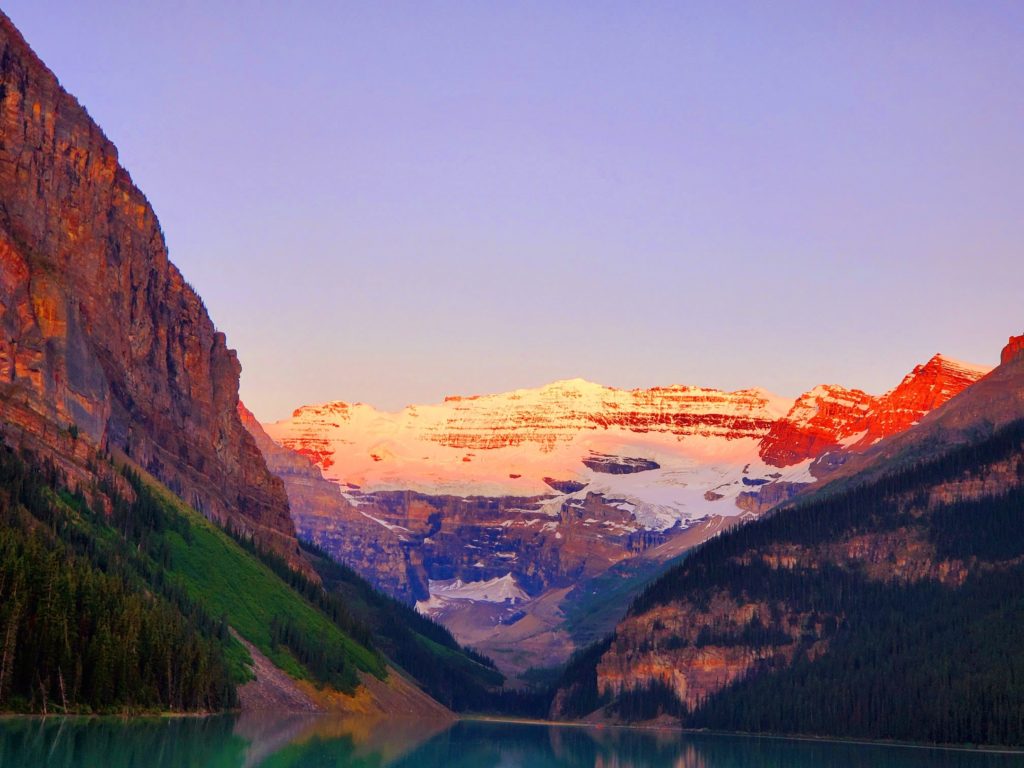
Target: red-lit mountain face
(831, 418)
(104, 346)
(499, 513)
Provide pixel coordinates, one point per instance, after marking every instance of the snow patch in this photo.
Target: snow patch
(501, 589)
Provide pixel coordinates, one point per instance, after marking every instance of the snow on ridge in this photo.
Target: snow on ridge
(962, 365)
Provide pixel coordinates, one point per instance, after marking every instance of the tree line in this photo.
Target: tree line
(82, 627)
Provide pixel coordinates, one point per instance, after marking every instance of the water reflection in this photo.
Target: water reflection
(309, 740)
(333, 740)
(486, 745)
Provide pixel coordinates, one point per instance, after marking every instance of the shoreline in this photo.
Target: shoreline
(115, 716)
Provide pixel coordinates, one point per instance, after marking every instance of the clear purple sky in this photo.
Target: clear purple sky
(388, 202)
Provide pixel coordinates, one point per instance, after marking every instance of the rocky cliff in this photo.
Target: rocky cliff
(1013, 349)
(102, 338)
(833, 419)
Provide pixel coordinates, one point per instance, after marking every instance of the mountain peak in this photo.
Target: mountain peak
(829, 417)
(940, 361)
(1012, 350)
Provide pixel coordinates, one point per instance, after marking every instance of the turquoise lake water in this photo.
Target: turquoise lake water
(321, 741)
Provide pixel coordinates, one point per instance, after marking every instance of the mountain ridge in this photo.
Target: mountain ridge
(365, 441)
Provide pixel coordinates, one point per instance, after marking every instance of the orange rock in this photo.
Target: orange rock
(1012, 350)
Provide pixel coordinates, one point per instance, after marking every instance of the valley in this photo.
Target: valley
(555, 490)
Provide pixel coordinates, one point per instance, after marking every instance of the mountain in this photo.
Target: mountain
(101, 333)
(556, 489)
(148, 559)
(886, 603)
(830, 418)
(323, 515)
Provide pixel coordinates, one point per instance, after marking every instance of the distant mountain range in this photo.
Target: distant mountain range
(551, 488)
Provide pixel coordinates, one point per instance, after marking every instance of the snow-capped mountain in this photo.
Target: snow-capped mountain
(658, 450)
(544, 490)
(668, 454)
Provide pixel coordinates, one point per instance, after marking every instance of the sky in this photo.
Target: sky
(391, 202)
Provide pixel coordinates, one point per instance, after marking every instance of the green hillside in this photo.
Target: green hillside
(131, 609)
(88, 621)
(120, 597)
(222, 575)
(457, 677)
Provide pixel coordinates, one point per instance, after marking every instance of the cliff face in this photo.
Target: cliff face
(100, 332)
(1012, 350)
(831, 418)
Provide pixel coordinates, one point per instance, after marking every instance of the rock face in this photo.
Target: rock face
(683, 652)
(1012, 350)
(325, 517)
(831, 418)
(101, 335)
(619, 465)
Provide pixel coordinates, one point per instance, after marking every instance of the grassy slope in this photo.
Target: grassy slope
(229, 581)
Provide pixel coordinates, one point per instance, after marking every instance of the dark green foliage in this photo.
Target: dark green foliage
(344, 584)
(220, 573)
(647, 703)
(149, 558)
(987, 529)
(753, 635)
(84, 626)
(324, 659)
(926, 663)
(330, 604)
(594, 606)
(578, 683)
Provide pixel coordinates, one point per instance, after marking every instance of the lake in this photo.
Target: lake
(321, 741)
